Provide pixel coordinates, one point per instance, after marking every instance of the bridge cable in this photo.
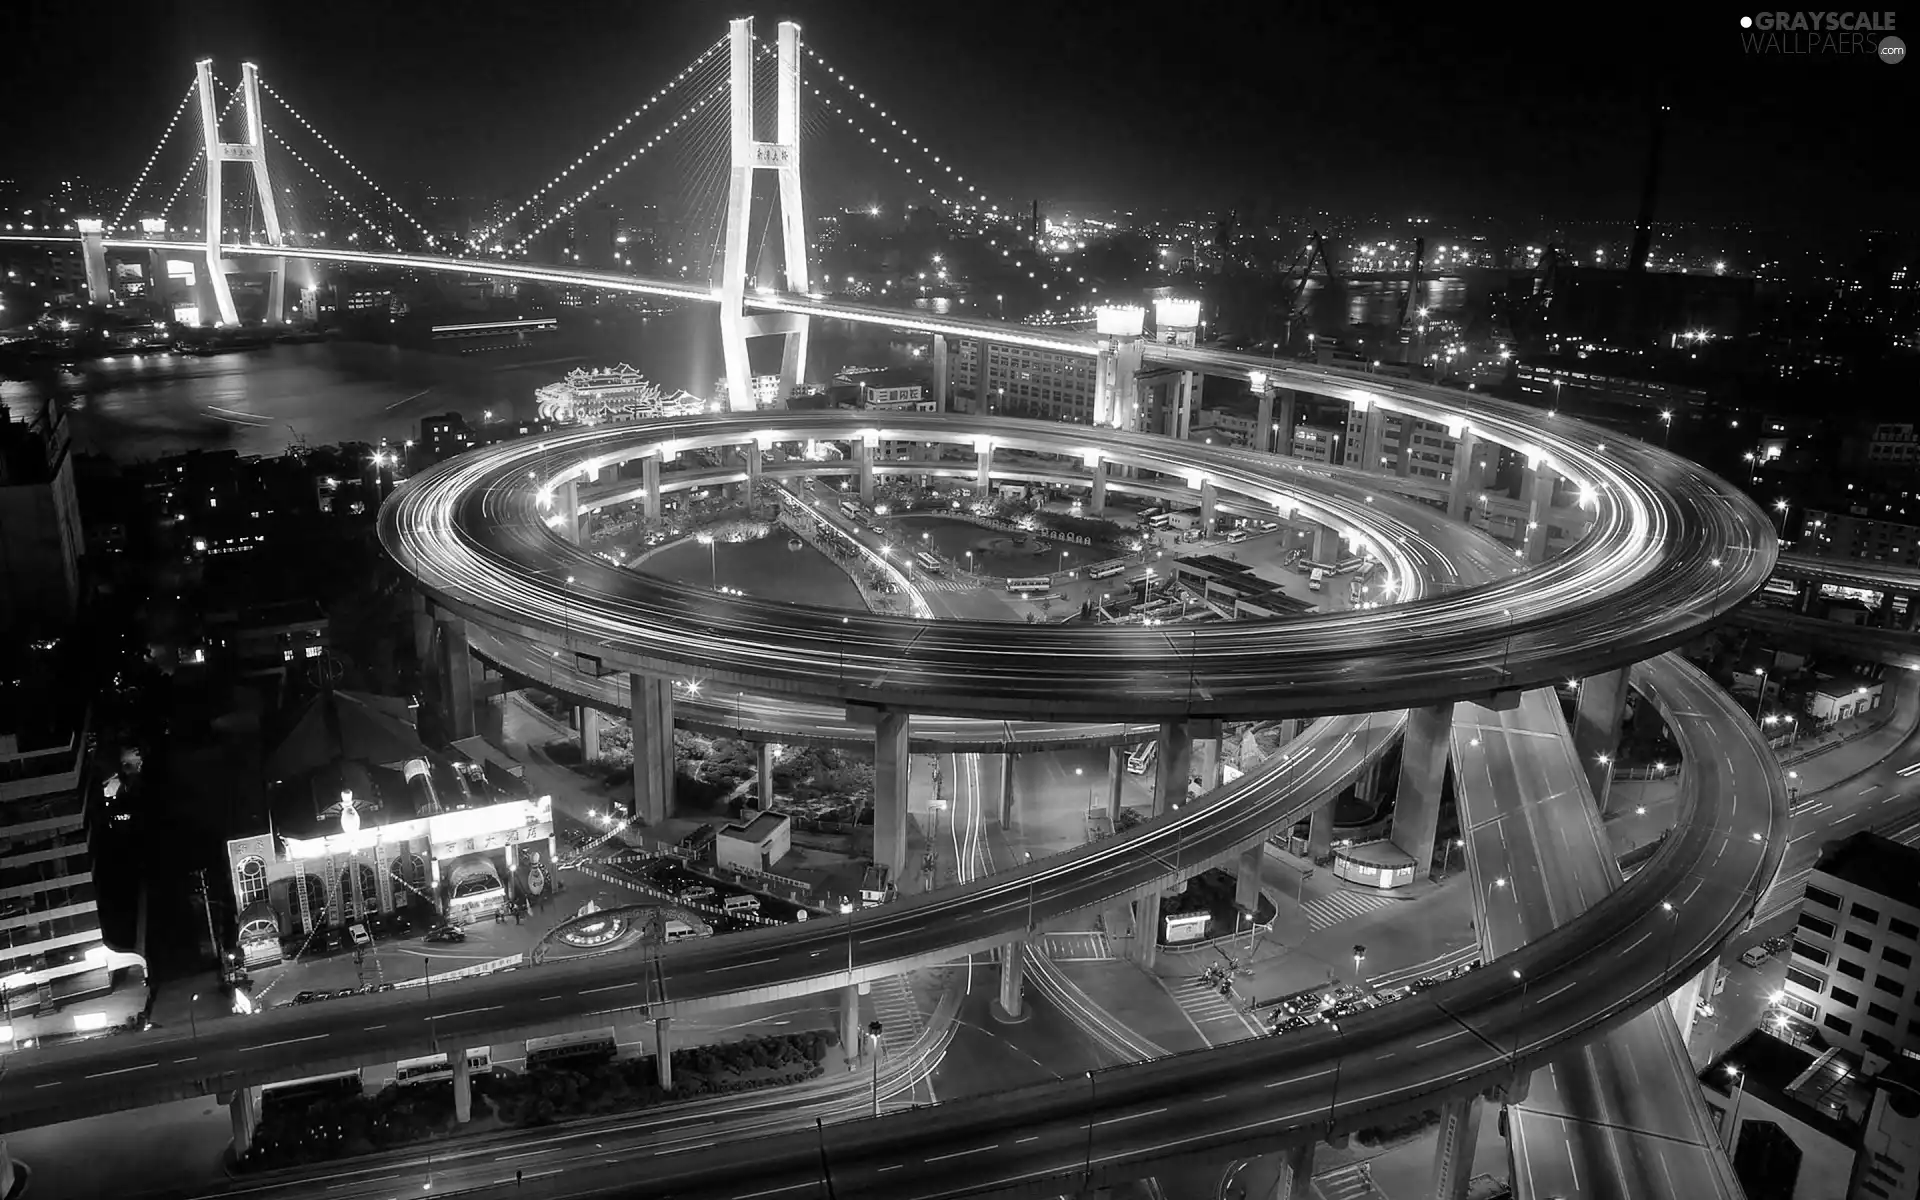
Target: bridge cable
(140, 181)
(479, 240)
(339, 154)
(568, 208)
(200, 156)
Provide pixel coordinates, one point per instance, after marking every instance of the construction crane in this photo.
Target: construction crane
(1316, 247)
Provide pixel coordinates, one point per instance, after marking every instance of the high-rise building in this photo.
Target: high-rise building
(1408, 445)
(1852, 970)
(57, 974)
(1886, 532)
(40, 534)
(1020, 382)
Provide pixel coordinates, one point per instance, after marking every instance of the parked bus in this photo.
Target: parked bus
(314, 1087)
(1315, 578)
(928, 563)
(1153, 518)
(1107, 570)
(1238, 535)
(1035, 583)
(850, 510)
(1352, 564)
(437, 1068)
(572, 1049)
(1147, 515)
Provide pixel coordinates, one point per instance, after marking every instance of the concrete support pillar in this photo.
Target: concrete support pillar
(1596, 728)
(1209, 504)
(863, 455)
(422, 632)
(1465, 475)
(650, 480)
(1295, 1178)
(1687, 997)
(1097, 503)
(650, 716)
(751, 452)
(890, 793)
(1326, 544)
(763, 783)
(1320, 833)
(566, 499)
(1173, 766)
(663, 1053)
(462, 1085)
(456, 677)
(1283, 437)
(1539, 494)
(244, 1111)
(1453, 1154)
(1265, 432)
(1188, 394)
(93, 256)
(1403, 447)
(1116, 774)
(943, 374)
(1146, 927)
(1207, 755)
(1006, 791)
(589, 721)
(1011, 1006)
(1423, 771)
(850, 1021)
(982, 467)
(1246, 888)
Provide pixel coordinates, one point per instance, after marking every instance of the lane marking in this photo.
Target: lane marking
(289, 1042)
(466, 1012)
(612, 987)
(122, 1070)
(759, 962)
(1130, 1117)
(956, 1154)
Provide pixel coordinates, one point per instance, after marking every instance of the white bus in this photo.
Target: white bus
(587, 1046)
(1034, 583)
(1108, 571)
(850, 510)
(312, 1088)
(436, 1068)
(928, 563)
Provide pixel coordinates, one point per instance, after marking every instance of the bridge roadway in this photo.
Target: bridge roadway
(48, 1085)
(1671, 550)
(1618, 1118)
(1850, 572)
(793, 721)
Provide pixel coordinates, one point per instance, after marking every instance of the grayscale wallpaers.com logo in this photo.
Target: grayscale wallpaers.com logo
(1823, 33)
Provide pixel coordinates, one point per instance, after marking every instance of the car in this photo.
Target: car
(447, 933)
(309, 997)
(876, 531)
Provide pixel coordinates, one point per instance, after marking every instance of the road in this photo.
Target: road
(1672, 549)
(1620, 1118)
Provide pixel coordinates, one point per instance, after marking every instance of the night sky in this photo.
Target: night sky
(1355, 107)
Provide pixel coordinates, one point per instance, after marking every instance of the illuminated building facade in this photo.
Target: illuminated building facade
(590, 397)
(1019, 381)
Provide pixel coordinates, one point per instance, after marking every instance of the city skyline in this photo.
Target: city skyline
(1366, 112)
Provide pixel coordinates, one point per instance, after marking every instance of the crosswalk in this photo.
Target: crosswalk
(1077, 946)
(899, 1014)
(1351, 1182)
(1343, 905)
(1217, 1018)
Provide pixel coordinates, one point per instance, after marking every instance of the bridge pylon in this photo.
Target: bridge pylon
(781, 156)
(253, 150)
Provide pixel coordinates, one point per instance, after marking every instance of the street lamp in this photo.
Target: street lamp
(193, 1018)
(1762, 697)
(874, 1030)
(1666, 427)
(1359, 956)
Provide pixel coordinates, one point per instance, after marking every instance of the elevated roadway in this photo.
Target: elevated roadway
(793, 721)
(1621, 1117)
(1671, 549)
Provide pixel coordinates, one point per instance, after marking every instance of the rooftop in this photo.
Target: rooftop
(1824, 1090)
(757, 830)
(1878, 864)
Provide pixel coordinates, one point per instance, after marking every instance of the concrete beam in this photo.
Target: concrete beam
(1539, 496)
(1116, 776)
(462, 1085)
(456, 677)
(663, 1054)
(1460, 489)
(589, 721)
(1246, 891)
(1098, 502)
(650, 483)
(1146, 927)
(863, 455)
(1006, 791)
(763, 783)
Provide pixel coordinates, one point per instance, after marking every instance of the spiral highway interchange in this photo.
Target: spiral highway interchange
(1670, 549)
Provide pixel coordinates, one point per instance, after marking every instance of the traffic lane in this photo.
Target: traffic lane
(808, 956)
